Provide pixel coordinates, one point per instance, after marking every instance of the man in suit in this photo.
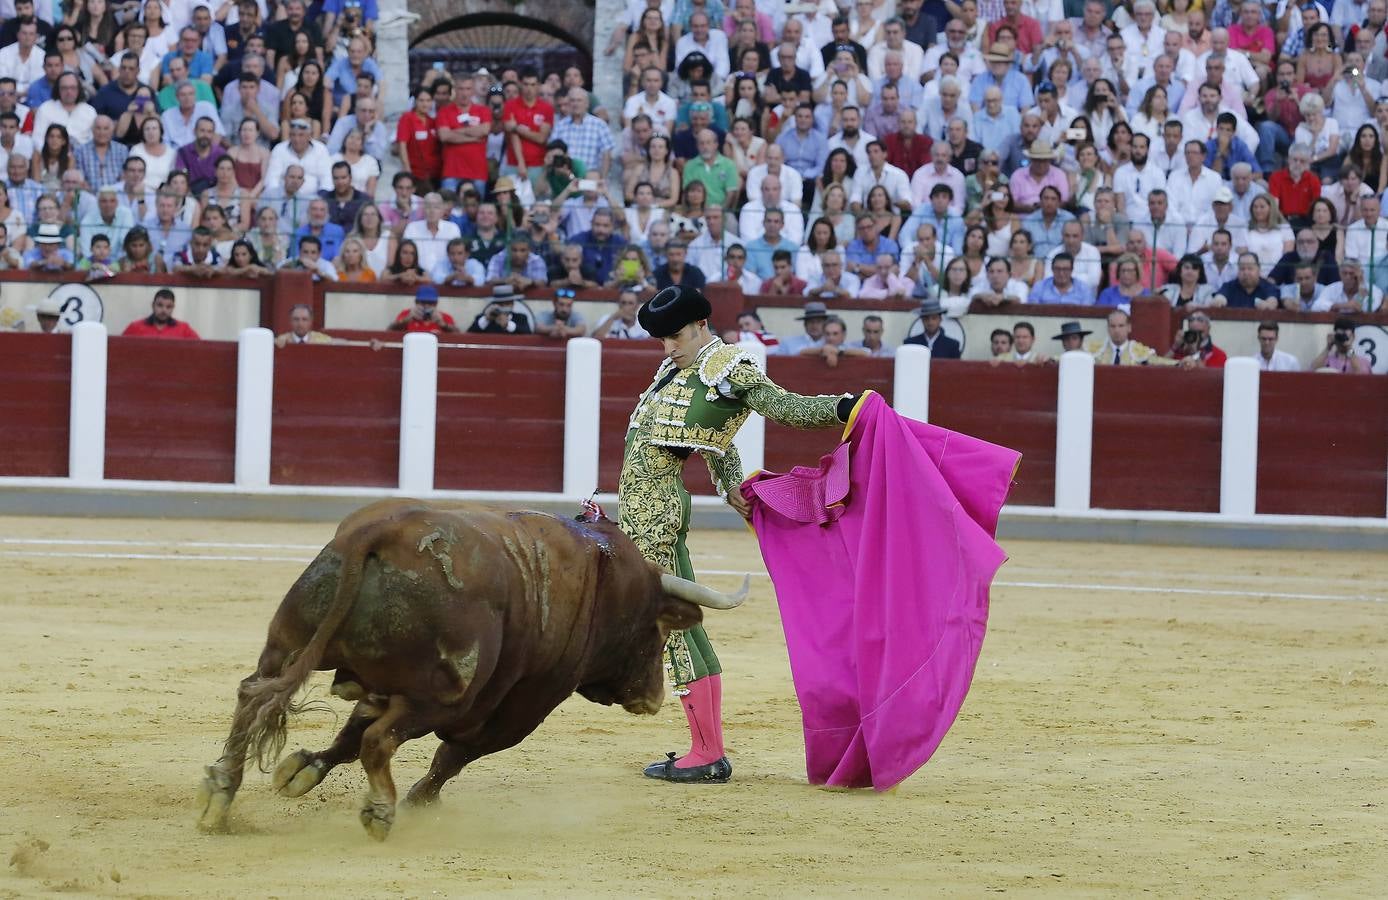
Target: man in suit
(941, 345)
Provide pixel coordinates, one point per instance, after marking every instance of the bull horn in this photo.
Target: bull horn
(703, 595)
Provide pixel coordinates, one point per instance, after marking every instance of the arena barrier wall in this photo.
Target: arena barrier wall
(220, 308)
(527, 416)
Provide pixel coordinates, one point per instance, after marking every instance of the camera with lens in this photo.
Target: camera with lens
(1343, 338)
(1191, 336)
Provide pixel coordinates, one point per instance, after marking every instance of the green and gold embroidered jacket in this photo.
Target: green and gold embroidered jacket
(702, 407)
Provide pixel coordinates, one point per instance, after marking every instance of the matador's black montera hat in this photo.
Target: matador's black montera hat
(673, 308)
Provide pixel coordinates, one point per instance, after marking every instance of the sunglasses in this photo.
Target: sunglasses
(566, 292)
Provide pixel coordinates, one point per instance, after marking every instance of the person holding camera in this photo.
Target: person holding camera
(1339, 354)
(501, 315)
(1194, 348)
(424, 315)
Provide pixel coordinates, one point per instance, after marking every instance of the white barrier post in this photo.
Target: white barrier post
(86, 449)
(255, 394)
(750, 440)
(1238, 456)
(419, 385)
(582, 409)
(911, 382)
(1074, 431)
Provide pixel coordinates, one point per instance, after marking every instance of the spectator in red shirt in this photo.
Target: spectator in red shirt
(1296, 186)
(527, 121)
(424, 315)
(463, 127)
(1028, 30)
(417, 142)
(1194, 348)
(161, 323)
(783, 282)
(908, 150)
(1283, 105)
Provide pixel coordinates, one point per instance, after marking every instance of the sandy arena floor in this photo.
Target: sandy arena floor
(1220, 733)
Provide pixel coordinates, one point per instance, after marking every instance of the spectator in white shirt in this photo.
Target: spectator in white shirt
(651, 101)
(880, 172)
(1088, 264)
(851, 137)
(1136, 179)
(792, 184)
(995, 286)
(432, 233)
(1219, 216)
(67, 109)
(1172, 232)
(894, 33)
(180, 121)
(23, 60)
(749, 223)
(701, 38)
(1367, 239)
(1193, 186)
(1269, 358)
(300, 150)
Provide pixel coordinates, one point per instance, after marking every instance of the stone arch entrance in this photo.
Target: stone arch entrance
(549, 35)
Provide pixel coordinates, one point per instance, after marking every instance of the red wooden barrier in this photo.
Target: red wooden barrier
(1008, 406)
(1322, 444)
(1157, 438)
(500, 419)
(34, 404)
(171, 410)
(336, 416)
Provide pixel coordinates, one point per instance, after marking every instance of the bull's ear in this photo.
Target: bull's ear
(678, 615)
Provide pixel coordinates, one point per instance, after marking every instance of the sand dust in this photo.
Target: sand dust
(1182, 744)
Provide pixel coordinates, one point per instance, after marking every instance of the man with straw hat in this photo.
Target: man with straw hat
(1028, 181)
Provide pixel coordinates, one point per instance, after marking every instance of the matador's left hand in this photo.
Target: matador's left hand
(739, 503)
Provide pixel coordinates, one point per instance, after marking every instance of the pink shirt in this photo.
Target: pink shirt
(876, 288)
(1260, 41)
(1026, 189)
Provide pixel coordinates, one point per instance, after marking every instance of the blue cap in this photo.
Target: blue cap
(426, 293)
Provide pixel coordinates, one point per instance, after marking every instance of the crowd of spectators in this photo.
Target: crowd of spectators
(1001, 152)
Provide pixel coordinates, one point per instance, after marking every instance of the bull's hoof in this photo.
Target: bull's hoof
(377, 818)
(214, 801)
(421, 796)
(299, 773)
(716, 772)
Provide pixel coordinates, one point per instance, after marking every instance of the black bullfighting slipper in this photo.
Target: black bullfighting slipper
(716, 772)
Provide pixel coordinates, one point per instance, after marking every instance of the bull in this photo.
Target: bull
(463, 621)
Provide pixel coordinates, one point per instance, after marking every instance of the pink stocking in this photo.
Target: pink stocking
(703, 707)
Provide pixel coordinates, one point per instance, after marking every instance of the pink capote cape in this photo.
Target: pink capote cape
(882, 559)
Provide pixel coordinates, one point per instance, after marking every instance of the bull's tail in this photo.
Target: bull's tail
(267, 703)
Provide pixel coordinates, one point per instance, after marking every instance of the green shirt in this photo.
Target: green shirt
(167, 100)
(719, 179)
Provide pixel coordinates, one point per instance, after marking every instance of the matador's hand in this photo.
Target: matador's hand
(739, 503)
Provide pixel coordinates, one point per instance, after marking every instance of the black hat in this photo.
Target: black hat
(1069, 328)
(672, 309)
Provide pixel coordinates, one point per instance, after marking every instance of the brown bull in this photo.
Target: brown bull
(464, 621)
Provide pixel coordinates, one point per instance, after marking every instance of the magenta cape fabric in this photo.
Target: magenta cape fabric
(882, 559)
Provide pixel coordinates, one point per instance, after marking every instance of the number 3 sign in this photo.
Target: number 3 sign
(1372, 343)
(80, 303)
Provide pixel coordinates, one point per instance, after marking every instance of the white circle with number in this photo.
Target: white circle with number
(77, 303)
(1371, 342)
